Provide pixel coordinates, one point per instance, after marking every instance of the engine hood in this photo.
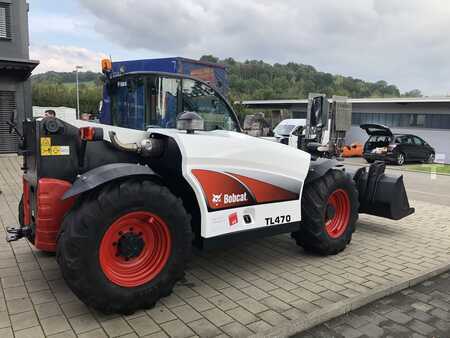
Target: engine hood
(232, 149)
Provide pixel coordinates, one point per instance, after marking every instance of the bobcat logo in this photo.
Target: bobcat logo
(216, 199)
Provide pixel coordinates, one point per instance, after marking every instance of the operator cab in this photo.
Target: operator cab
(155, 100)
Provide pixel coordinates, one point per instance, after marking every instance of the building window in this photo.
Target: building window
(403, 120)
(5, 21)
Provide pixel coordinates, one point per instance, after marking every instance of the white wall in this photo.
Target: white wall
(63, 113)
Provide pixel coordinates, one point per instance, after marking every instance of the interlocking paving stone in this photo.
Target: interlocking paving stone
(116, 327)
(204, 328)
(143, 325)
(99, 333)
(255, 287)
(19, 305)
(84, 323)
(55, 324)
(186, 313)
(32, 332)
(241, 315)
(177, 329)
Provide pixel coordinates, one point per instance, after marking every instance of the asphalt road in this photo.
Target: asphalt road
(419, 186)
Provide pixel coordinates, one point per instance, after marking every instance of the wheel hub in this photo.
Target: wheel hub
(130, 245)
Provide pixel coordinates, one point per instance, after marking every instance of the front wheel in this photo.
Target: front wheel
(329, 213)
(123, 247)
(400, 159)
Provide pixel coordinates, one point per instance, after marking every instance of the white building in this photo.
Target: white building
(426, 117)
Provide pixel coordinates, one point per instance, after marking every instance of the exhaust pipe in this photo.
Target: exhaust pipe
(150, 147)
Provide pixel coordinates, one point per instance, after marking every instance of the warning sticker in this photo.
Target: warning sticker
(46, 151)
(46, 142)
(60, 150)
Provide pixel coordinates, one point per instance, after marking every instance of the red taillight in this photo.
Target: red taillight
(87, 133)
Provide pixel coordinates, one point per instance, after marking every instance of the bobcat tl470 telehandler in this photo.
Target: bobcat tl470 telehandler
(121, 207)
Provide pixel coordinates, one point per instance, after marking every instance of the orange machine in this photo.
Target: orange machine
(353, 150)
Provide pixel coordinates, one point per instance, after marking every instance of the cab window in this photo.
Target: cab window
(146, 101)
(199, 98)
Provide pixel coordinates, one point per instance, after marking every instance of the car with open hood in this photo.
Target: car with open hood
(383, 145)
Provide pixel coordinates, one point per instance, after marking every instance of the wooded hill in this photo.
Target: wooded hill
(248, 80)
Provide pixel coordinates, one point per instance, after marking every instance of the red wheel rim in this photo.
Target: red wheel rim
(340, 204)
(148, 262)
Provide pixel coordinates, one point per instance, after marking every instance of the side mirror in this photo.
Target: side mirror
(317, 113)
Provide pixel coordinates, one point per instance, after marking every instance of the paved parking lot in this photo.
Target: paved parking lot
(254, 288)
(421, 311)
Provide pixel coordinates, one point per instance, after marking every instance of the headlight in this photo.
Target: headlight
(391, 147)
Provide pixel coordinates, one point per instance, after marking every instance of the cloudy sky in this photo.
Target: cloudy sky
(405, 42)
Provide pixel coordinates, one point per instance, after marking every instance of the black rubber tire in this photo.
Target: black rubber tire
(430, 159)
(82, 231)
(20, 213)
(312, 235)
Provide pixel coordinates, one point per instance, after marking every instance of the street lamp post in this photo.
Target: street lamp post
(77, 68)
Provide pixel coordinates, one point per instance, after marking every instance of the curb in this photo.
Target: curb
(315, 318)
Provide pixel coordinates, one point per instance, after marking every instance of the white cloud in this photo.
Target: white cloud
(65, 58)
(403, 42)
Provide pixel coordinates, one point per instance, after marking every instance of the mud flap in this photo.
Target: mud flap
(382, 195)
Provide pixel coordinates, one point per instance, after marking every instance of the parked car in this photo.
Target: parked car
(286, 128)
(396, 148)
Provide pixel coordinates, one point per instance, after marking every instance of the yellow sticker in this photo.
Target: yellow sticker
(46, 151)
(46, 142)
(56, 150)
(60, 150)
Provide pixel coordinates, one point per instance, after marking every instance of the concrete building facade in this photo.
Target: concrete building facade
(15, 69)
(428, 117)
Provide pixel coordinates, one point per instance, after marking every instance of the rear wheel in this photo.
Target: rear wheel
(329, 213)
(431, 159)
(123, 247)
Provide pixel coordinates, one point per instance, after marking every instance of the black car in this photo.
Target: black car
(383, 145)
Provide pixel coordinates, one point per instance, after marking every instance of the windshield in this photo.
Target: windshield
(145, 101)
(284, 129)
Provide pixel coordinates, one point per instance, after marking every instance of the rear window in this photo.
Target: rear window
(378, 138)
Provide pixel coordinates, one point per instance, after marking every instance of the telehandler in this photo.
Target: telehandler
(122, 207)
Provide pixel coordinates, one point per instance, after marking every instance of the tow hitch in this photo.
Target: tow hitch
(14, 234)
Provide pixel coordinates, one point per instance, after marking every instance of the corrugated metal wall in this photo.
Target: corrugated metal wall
(8, 142)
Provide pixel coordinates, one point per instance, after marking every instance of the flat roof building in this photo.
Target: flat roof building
(15, 69)
(426, 117)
